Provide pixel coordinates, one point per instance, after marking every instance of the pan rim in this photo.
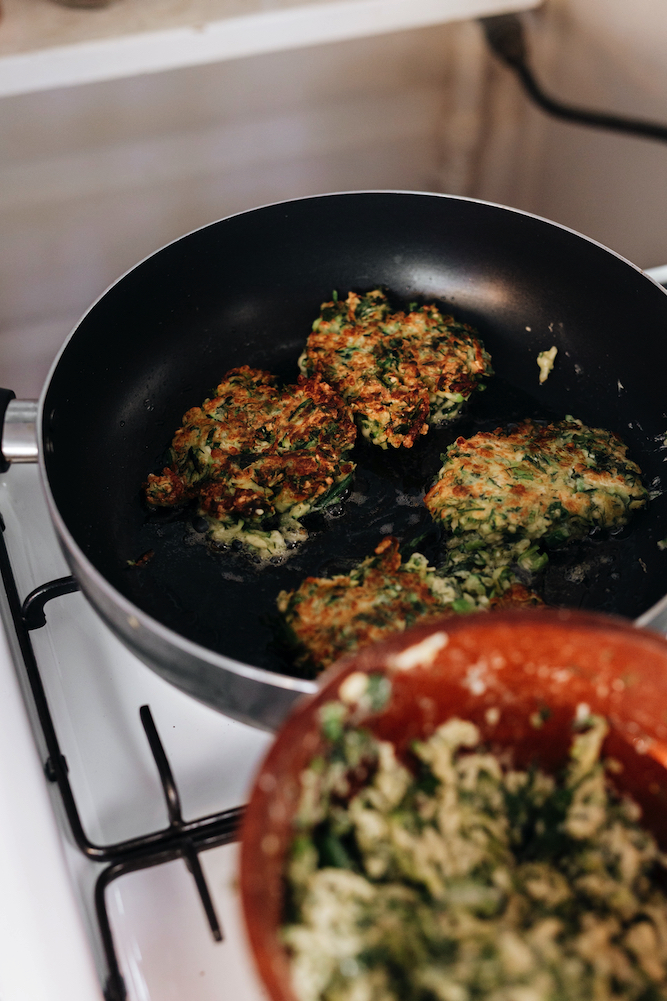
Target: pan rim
(78, 556)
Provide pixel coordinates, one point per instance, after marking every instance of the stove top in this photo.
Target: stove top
(94, 688)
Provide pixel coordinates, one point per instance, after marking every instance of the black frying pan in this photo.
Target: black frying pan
(245, 290)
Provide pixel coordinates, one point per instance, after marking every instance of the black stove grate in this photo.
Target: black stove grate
(180, 839)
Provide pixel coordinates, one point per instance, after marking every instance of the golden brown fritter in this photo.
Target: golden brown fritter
(255, 450)
(399, 372)
(554, 482)
(327, 617)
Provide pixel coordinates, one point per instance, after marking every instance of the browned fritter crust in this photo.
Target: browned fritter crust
(400, 371)
(327, 617)
(255, 450)
(553, 482)
(332, 616)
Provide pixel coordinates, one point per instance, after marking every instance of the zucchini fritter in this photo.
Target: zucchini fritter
(553, 482)
(256, 451)
(327, 617)
(399, 372)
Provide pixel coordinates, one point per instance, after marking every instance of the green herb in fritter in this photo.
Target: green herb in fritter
(256, 457)
(327, 617)
(553, 482)
(399, 372)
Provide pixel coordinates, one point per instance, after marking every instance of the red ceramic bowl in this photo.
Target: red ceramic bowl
(516, 663)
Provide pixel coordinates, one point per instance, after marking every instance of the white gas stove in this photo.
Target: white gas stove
(113, 885)
(51, 947)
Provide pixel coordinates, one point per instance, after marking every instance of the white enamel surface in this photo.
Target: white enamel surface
(43, 47)
(44, 954)
(161, 931)
(95, 688)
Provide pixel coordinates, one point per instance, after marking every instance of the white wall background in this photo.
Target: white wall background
(609, 55)
(93, 178)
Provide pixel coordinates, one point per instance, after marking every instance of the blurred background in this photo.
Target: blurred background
(96, 175)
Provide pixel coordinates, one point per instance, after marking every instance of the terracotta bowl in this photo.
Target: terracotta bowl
(516, 664)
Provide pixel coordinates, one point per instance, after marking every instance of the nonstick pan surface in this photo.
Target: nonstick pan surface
(245, 290)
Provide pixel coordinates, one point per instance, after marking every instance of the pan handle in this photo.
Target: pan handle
(19, 430)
